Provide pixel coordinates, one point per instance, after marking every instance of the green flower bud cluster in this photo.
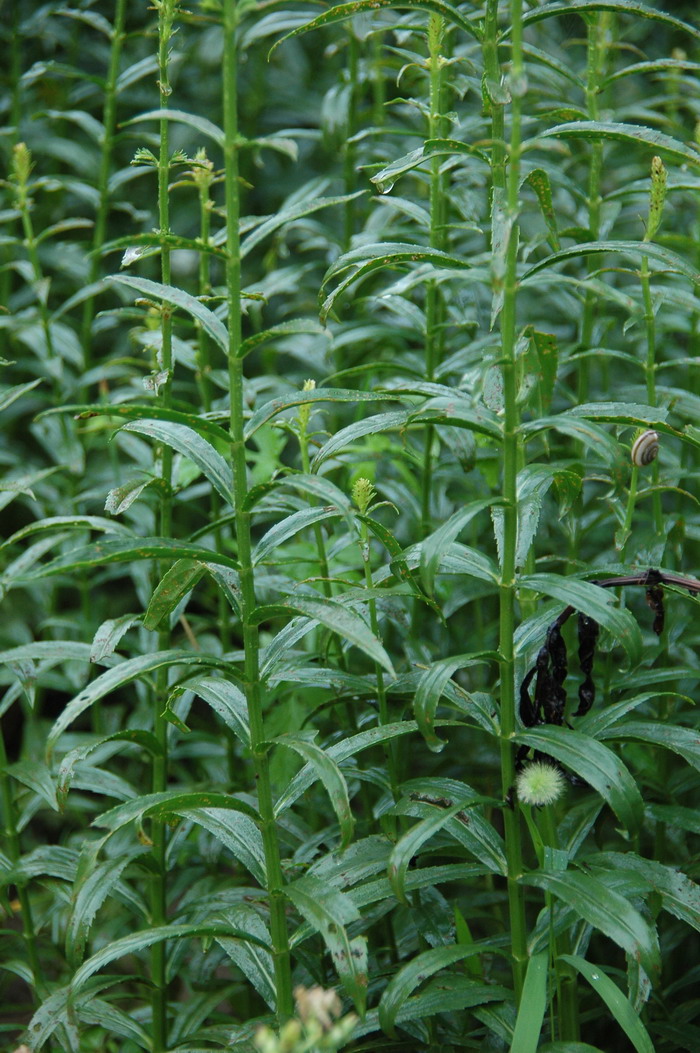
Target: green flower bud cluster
(657, 197)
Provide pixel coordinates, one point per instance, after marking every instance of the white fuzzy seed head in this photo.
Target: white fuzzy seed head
(540, 783)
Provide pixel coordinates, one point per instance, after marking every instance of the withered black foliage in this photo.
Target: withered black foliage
(550, 667)
(588, 630)
(655, 599)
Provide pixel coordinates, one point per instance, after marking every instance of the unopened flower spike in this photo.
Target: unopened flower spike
(540, 783)
(657, 197)
(363, 493)
(305, 409)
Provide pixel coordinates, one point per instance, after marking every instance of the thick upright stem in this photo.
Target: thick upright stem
(109, 119)
(597, 33)
(252, 685)
(167, 10)
(650, 373)
(14, 852)
(434, 302)
(505, 187)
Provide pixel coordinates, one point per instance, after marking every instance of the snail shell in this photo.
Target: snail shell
(645, 449)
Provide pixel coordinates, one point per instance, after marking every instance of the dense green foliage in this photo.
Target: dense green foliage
(322, 371)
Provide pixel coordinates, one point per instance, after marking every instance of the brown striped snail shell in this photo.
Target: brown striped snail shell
(645, 448)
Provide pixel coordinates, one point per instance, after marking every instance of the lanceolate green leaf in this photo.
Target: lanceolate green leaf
(330, 775)
(369, 258)
(329, 911)
(340, 751)
(341, 12)
(301, 398)
(606, 910)
(139, 411)
(434, 546)
(615, 1000)
(122, 674)
(336, 616)
(145, 740)
(595, 763)
(138, 941)
(597, 603)
(169, 294)
(192, 445)
(416, 972)
(201, 125)
(630, 7)
(431, 686)
(679, 895)
(288, 215)
(177, 581)
(632, 134)
(370, 426)
(665, 259)
(89, 895)
(683, 741)
(227, 700)
(299, 325)
(236, 831)
(169, 802)
(533, 1002)
(103, 552)
(413, 840)
(290, 526)
(468, 828)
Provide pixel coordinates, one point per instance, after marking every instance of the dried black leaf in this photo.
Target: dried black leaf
(655, 600)
(528, 711)
(588, 630)
(555, 701)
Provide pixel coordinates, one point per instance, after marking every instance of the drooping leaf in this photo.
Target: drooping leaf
(413, 840)
(683, 741)
(595, 763)
(330, 775)
(329, 911)
(430, 689)
(169, 294)
(169, 802)
(192, 445)
(533, 1003)
(334, 615)
(631, 7)
(615, 1000)
(606, 910)
(341, 12)
(597, 603)
(177, 581)
(664, 258)
(124, 673)
(421, 968)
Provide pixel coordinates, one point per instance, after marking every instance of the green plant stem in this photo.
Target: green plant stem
(505, 189)
(166, 12)
(31, 244)
(389, 747)
(15, 116)
(109, 120)
(434, 332)
(629, 510)
(14, 852)
(597, 33)
(350, 152)
(567, 994)
(318, 532)
(252, 685)
(650, 376)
